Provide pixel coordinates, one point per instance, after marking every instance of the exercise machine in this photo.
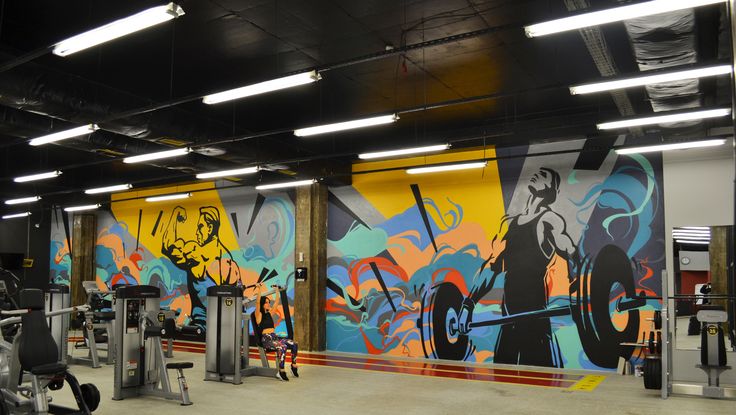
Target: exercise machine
(712, 349)
(33, 356)
(141, 367)
(96, 319)
(228, 340)
(59, 297)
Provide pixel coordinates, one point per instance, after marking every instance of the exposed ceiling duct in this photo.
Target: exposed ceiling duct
(664, 42)
(35, 89)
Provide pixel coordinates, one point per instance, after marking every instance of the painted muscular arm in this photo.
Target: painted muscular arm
(174, 247)
(556, 232)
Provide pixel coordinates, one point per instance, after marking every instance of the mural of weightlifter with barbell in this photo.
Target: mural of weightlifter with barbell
(533, 237)
(535, 242)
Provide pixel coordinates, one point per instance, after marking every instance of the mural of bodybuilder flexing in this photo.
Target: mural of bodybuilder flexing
(206, 260)
(533, 237)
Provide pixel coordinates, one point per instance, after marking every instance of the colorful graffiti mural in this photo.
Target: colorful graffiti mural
(523, 262)
(216, 237)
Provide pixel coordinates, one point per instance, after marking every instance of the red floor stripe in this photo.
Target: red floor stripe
(520, 377)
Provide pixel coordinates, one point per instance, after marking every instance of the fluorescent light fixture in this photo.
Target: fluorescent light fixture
(168, 197)
(118, 28)
(695, 228)
(663, 119)
(684, 241)
(285, 184)
(23, 200)
(17, 215)
(448, 167)
(615, 14)
(691, 231)
(263, 87)
(690, 236)
(673, 146)
(696, 237)
(63, 135)
(651, 79)
(158, 155)
(80, 208)
(347, 125)
(109, 189)
(227, 173)
(39, 176)
(403, 152)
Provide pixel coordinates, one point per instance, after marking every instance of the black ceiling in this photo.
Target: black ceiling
(221, 44)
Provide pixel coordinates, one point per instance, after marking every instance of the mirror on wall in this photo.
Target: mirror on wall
(703, 264)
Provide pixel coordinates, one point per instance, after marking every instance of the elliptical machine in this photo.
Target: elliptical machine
(34, 355)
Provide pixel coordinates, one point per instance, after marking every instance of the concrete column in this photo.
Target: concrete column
(84, 238)
(311, 253)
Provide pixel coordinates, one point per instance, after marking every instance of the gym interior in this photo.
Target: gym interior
(324, 207)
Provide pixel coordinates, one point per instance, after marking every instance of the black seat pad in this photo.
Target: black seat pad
(104, 315)
(49, 369)
(181, 365)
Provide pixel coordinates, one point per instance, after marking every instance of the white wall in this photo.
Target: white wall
(698, 191)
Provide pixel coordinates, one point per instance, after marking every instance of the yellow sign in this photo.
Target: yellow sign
(712, 330)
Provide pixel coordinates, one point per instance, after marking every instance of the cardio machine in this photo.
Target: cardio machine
(141, 367)
(33, 356)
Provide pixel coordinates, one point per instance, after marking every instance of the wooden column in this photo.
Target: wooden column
(311, 253)
(718, 262)
(84, 238)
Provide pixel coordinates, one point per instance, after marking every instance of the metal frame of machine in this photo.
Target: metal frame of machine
(140, 366)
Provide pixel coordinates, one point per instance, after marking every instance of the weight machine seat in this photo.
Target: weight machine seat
(49, 369)
(104, 315)
(180, 365)
(37, 348)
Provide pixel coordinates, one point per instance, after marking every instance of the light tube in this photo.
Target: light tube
(403, 152)
(684, 241)
(108, 189)
(663, 119)
(226, 173)
(449, 167)
(695, 228)
(81, 208)
(39, 176)
(615, 14)
(285, 184)
(17, 215)
(118, 28)
(650, 79)
(23, 200)
(263, 87)
(168, 197)
(347, 125)
(157, 155)
(673, 146)
(63, 135)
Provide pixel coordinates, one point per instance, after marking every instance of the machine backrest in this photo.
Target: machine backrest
(37, 345)
(256, 330)
(712, 341)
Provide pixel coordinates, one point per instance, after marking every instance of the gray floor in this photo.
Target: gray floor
(322, 390)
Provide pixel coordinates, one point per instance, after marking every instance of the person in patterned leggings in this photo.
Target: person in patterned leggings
(271, 340)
